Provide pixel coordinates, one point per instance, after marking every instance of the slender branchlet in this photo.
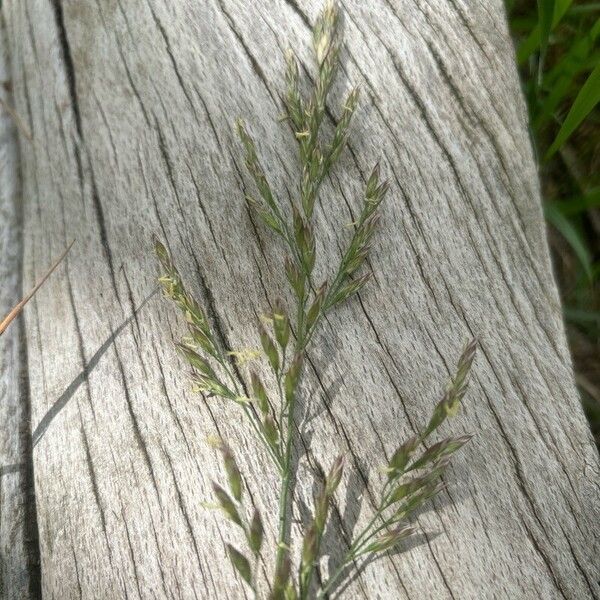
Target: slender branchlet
(18, 308)
(412, 475)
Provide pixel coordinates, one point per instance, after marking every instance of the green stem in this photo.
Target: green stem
(283, 512)
(335, 286)
(281, 395)
(261, 435)
(282, 541)
(302, 339)
(251, 416)
(359, 542)
(348, 558)
(336, 575)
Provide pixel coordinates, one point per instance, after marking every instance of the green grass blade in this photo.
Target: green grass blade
(582, 317)
(545, 16)
(532, 43)
(586, 100)
(571, 235)
(576, 52)
(579, 204)
(592, 7)
(560, 81)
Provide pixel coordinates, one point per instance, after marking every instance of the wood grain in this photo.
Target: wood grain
(19, 559)
(131, 106)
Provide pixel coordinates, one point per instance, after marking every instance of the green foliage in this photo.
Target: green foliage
(586, 100)
(562, 92)
(411, 480)
(569, 231)
(559, 60)
(545, 18)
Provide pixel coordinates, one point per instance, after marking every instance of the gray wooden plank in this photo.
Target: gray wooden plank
(131, 106)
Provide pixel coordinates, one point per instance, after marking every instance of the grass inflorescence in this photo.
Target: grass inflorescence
(412, 475)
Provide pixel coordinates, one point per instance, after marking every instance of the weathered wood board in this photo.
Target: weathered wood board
(131, 106)
(18, 542)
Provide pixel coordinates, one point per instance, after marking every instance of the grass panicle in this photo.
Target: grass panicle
(414, 471)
